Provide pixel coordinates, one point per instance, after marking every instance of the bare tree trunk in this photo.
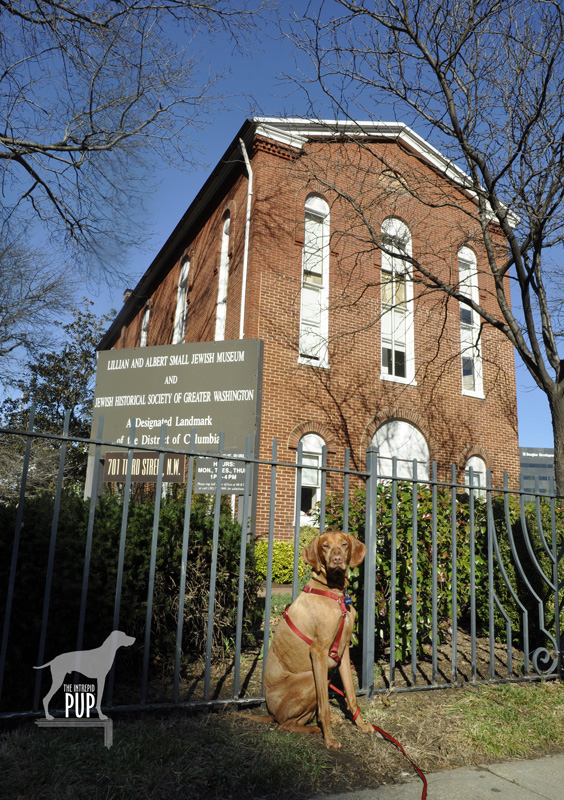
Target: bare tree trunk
(556, 403)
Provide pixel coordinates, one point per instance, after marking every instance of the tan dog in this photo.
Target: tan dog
(298, 665)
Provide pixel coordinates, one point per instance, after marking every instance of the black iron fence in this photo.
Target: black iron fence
(459, 584)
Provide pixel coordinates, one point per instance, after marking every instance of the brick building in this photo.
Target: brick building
(280, 245)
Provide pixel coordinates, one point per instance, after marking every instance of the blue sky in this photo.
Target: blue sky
(255, 86)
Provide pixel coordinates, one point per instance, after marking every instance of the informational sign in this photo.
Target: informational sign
(232, 476)
(212, 387)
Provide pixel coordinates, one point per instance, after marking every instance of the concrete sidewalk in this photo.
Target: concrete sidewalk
(542, 779)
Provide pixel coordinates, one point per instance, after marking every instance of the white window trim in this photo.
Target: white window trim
(181, 314)
(468, 256)
(319, 208)
(312, 448)
(144, 327)
(399, 438)
(479, 475)
(223, 282)
(395, 229)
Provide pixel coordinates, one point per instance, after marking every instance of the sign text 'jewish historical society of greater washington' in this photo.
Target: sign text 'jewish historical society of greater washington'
(212, 387)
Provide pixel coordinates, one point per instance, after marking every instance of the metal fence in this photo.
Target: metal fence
(458, 584)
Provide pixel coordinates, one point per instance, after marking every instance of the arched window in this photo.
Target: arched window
(144, 327)
(179, 333)
(470, 346)
(312, 450)
(475, 475)
(314, 315)
(221, 311)
(397, 303)
(404, 441)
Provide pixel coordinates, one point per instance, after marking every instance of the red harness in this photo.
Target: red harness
(334, 649)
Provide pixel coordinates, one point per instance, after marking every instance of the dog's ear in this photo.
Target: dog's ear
(311, 554)
(358, 551)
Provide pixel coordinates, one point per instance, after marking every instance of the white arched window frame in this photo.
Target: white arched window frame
(221, 309)
(310, 495)
(470, 339)
(144, 327)
(405, 442)
(475, 475)
(314, 306)
(179, 333)
(397, 347)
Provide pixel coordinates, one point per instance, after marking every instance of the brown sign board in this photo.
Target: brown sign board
(144, 467)
(206, 387)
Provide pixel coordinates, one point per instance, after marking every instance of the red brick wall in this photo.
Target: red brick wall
(347, 402)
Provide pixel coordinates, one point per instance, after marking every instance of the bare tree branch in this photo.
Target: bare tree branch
(483, 81)
(93, 94)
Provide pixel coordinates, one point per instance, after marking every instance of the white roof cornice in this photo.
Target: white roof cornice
(295, 132)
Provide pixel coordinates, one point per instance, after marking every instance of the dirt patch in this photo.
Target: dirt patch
(470, 663)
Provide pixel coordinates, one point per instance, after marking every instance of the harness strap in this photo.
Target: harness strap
(334, 649)
(296, 630)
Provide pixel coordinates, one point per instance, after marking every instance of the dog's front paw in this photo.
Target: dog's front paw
(365, 727)
(331, 743)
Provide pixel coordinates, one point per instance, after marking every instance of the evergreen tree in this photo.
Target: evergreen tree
(54, 382)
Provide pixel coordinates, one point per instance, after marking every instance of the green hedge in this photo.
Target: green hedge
(404, 600)
(67, 582)
(283, 557)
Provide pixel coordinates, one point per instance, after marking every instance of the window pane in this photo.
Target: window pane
(468, 377)
(387, 362)
(466, 315)
(311, 341)
(400, 439)
(387, 289)
(310, 471)
(311, 305)
(307, 499)
(400, 293)
(400, 328)
(312, 278)
(399, 363)
(184, 273)
(313, 249)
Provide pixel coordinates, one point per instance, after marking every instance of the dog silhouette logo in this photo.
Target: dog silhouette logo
(94, 664)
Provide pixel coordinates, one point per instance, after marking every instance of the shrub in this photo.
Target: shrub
(535, 518)
(283, 557)
(404, 560)
(67, 582)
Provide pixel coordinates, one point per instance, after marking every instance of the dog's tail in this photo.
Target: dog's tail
(44, 665)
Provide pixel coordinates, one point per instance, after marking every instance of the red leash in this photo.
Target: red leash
(415, 767)
(391, 739)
